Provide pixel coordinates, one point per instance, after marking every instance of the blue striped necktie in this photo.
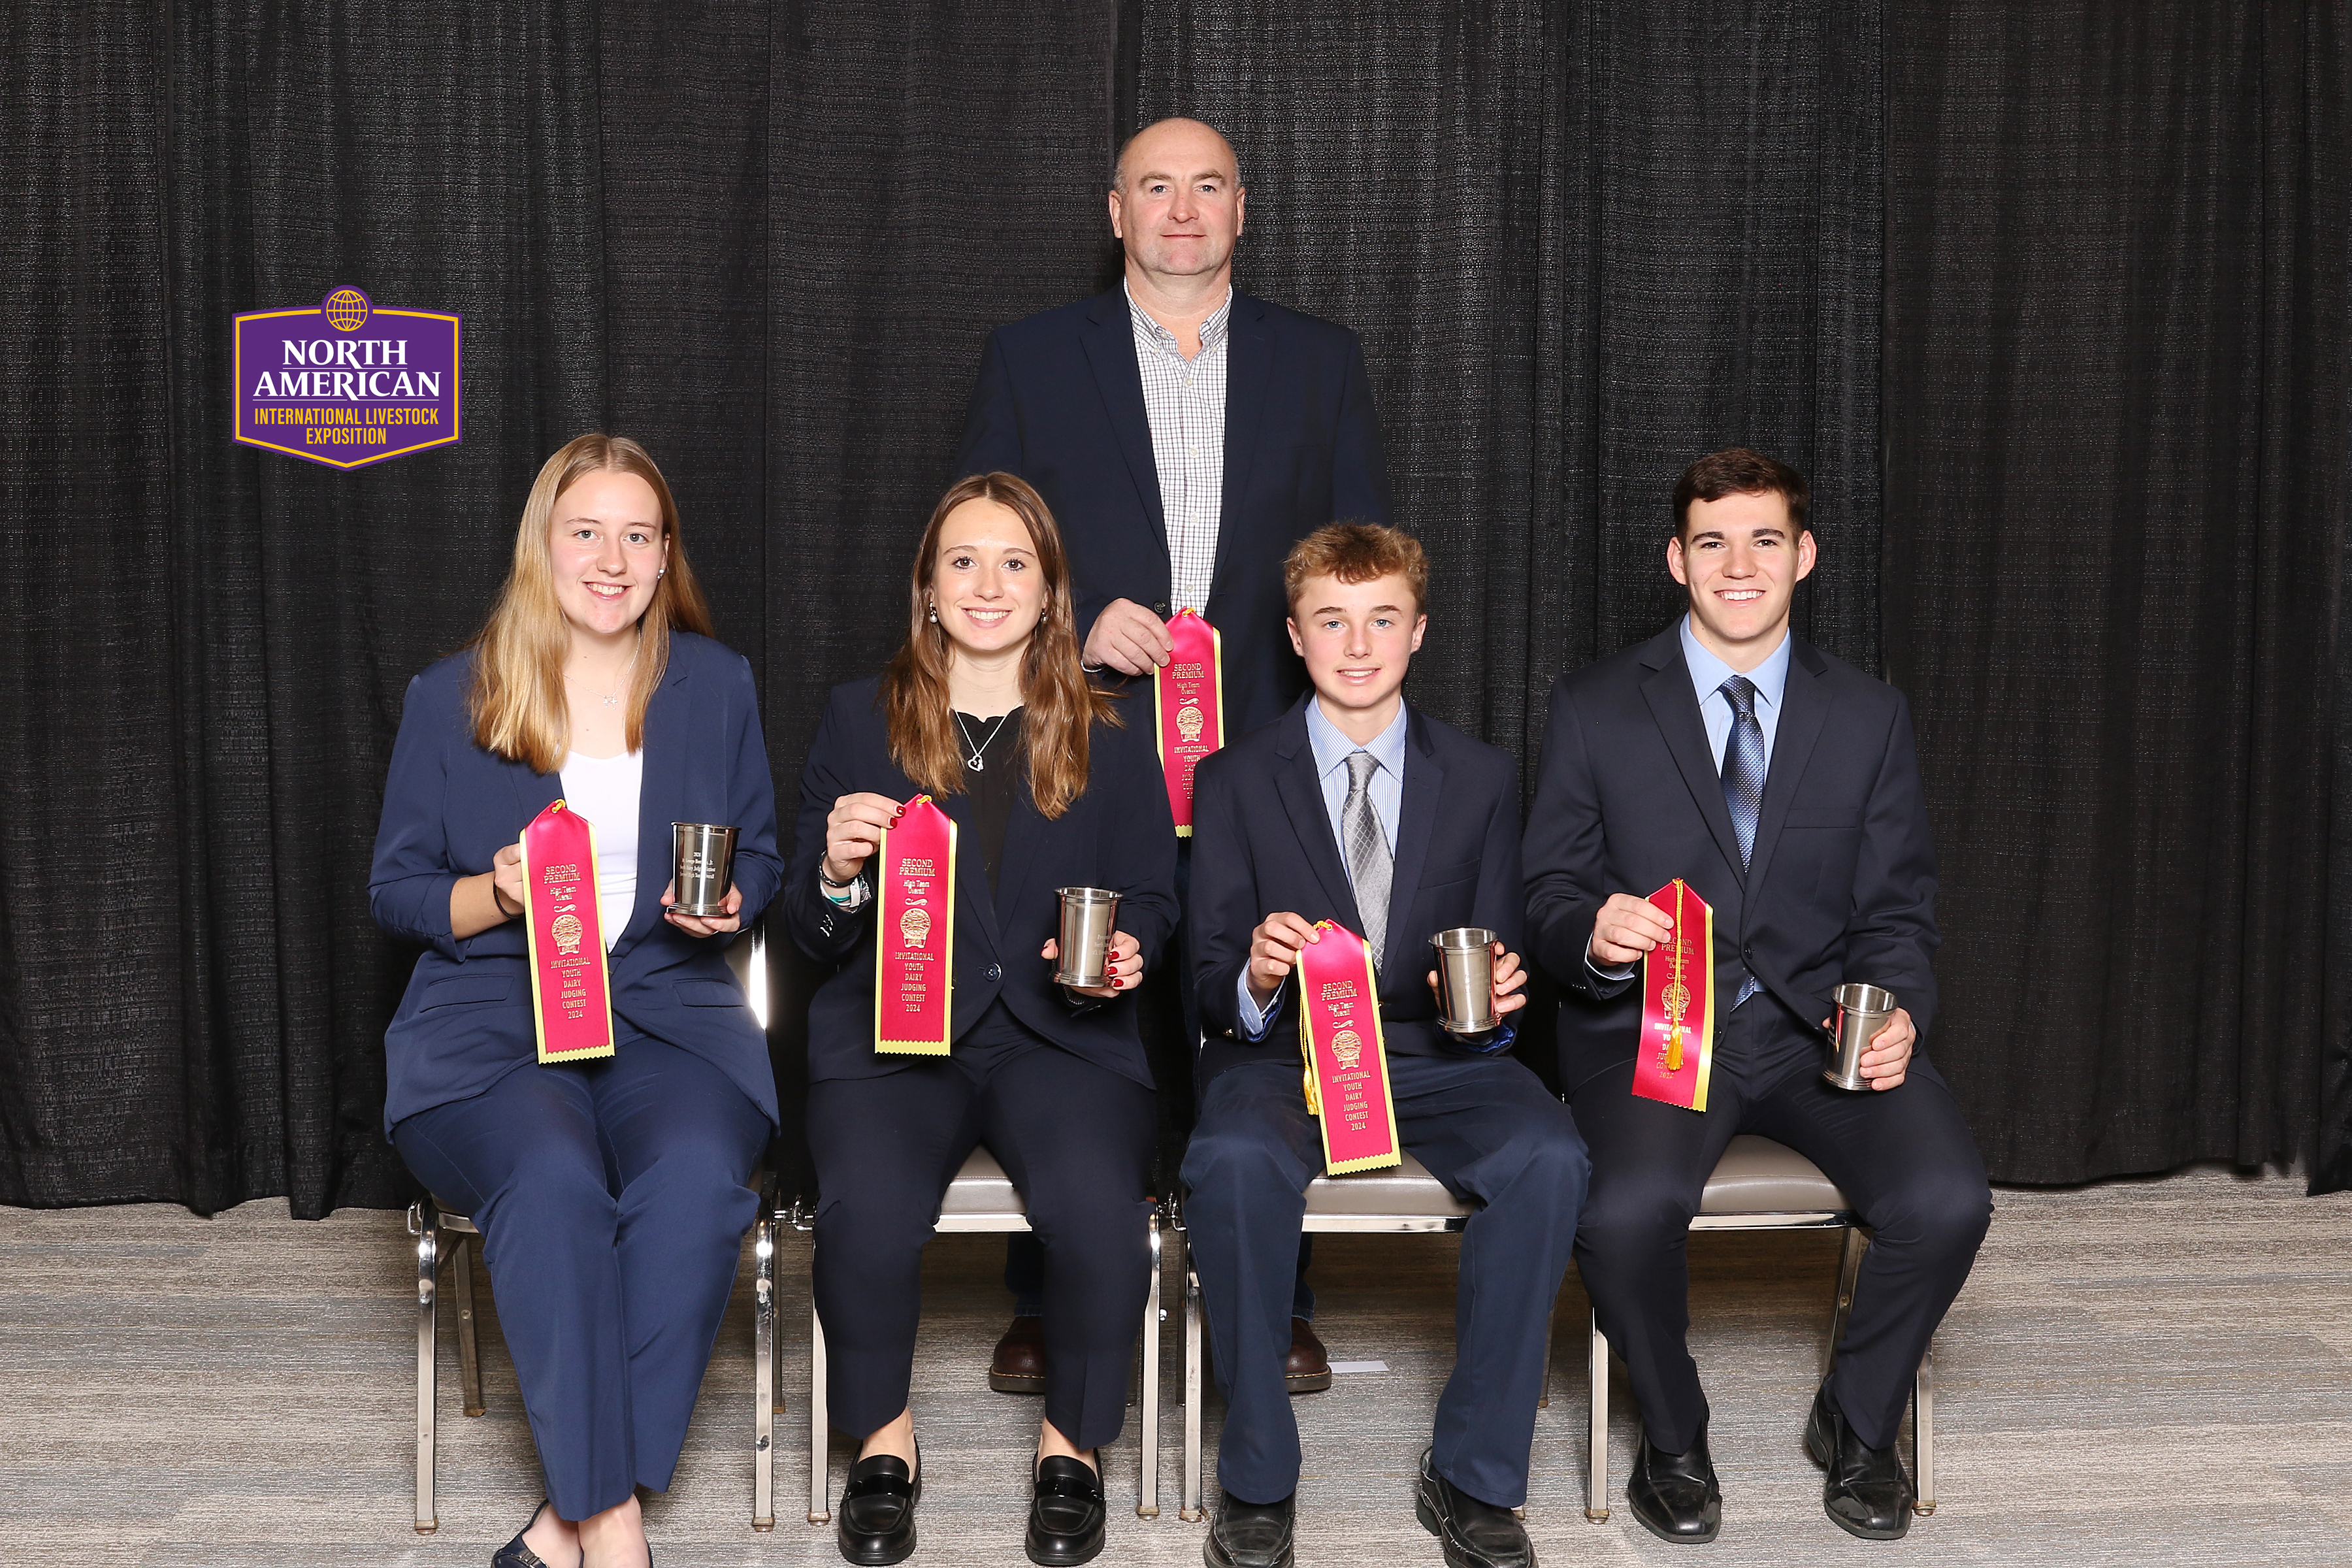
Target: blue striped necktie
(1743, 783)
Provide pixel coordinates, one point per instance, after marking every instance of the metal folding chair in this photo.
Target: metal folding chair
(983, 1199)
(1760, 1185)
(1404, 1201)
(429, 1219)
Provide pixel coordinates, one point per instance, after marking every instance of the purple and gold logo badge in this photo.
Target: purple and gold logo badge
(348, 383)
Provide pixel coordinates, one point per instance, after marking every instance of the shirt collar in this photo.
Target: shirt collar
(1211, 330)
(1332, 748)
(1707, 672)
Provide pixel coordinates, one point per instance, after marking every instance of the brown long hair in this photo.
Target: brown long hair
(1059, 703)
(517, 700)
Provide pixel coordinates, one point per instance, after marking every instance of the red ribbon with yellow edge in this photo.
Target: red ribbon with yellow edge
(914, 937)
(1189, 694)
(1676, 1054)
(570, 993)
(1347, 1059)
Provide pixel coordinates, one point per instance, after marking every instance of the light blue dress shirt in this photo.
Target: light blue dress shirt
(1708, 675)
(1332, 750)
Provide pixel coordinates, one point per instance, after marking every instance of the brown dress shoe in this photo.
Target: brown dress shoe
(1306, 1369)
(1019, 1366)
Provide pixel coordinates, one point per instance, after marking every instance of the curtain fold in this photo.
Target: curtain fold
(2116, 413)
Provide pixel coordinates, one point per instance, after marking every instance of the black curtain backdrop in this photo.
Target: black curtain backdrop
(2091, 262)
(2116, 423)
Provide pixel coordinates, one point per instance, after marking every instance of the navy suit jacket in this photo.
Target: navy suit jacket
(448, 807)
(1262, 842)
(1841, 885)
(1118, 834)
(1060, 402)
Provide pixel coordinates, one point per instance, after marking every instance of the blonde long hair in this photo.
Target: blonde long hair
(517, 700)
(1058, 702)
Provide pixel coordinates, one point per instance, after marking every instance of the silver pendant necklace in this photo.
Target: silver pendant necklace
(976, 761)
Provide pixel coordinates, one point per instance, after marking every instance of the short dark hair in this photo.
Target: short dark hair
(1738, 471)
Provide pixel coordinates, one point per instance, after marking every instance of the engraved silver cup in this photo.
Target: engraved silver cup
(1862, 1012)
(1465, 980)
(1088, 916)
(702, 868)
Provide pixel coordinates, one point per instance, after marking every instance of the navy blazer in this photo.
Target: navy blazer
(1262, 842)
(1060, 402)
(465, 1021)
(1118, 834)
(1841, 885)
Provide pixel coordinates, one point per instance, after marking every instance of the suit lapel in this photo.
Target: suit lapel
(670, 720)
(1249, 362)
(1302, 797)
(1110, 350)
(534, 793)
(1804, 708)
(1424, 785)
(975, 911)
(1675, 708)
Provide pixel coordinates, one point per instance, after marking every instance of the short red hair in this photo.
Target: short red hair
(1358, 553)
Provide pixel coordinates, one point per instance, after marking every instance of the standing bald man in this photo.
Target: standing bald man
(1186, 436)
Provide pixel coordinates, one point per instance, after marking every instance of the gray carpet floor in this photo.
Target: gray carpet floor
(2145, 1372)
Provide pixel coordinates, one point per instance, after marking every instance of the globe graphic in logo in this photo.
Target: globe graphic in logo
(347, 309)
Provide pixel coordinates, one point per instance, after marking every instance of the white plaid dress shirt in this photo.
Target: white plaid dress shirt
(1185, 402)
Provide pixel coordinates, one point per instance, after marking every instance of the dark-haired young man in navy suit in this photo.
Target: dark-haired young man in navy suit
(1782, 786)
(1186, 436)
(1354, 808)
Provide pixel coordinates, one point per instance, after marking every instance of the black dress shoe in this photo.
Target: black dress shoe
(876, 1521)
(1307, 1368)
(1249, 1534)
(1066, 1512)
(1867, 1492)
(1476, 1534)
(514, 1553)
(1019, 1365)
(1674, 1495)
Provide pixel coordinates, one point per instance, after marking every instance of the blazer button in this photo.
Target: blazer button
(994, 972)
(1159, 608)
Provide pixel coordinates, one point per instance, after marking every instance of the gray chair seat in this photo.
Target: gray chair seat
(1758, 1176)
(1405, 1192)
(982, 1191)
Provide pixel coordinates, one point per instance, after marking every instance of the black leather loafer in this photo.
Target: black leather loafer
(876, 1521)
(1249, 1534)
(1476, 1534)
(1066, 1512)
(1674, 1495)
(1867, 1492)
(514, 1553)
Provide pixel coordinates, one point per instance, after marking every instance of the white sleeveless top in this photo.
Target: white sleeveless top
(605, 790)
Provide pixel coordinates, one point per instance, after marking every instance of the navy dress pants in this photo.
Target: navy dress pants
(1486, 1128)
(1903, 1156)
(611, 1197)
(1075, 1137)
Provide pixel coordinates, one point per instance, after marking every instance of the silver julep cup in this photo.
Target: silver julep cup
(1465, 980)
(1862, 1012)
(702, 868)
(1088, 916)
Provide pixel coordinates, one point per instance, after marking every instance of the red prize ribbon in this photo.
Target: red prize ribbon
(1676, 1052)
(914, 959)
(1189, 693)
(1346, 1060)
(570, 993)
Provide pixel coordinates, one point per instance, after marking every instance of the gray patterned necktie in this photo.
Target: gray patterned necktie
(1743, 783)
(1369, 863)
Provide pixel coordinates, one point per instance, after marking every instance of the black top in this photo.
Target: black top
(995, 784)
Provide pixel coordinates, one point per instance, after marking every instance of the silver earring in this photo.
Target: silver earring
(935, 614)
(662, 573)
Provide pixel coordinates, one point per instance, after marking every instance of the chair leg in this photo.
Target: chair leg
(1543, 1398)
(1191, 1510)
(469, 1358)
(424, 1222)
(1147, 1490)
(1596, 1482)
(763, 1366)
(1922, 1433)
(1849, 1268)
(820, 1424)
